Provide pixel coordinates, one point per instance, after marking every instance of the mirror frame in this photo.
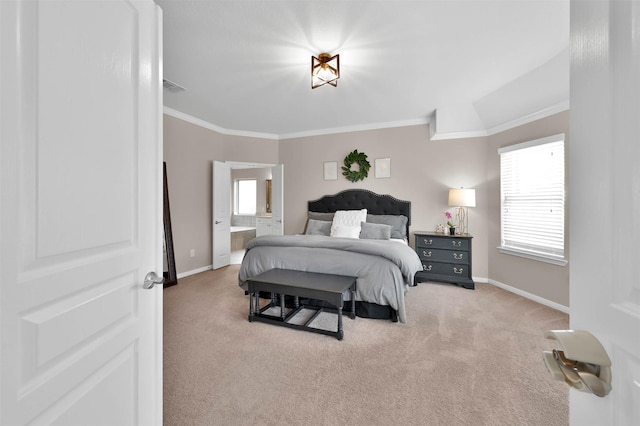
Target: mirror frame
(170, 276)
(268, 196)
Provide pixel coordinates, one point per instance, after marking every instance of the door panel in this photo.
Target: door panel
(221, 214)
(605, 200)
(81, 217)
(277, 203)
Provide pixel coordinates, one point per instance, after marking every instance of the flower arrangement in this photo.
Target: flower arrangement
(449, 223)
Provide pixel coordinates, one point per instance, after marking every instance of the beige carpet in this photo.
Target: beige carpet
(465, 357)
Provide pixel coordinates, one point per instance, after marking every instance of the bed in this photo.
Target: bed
(379, 256)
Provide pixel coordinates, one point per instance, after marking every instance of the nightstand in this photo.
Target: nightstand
(445, 258)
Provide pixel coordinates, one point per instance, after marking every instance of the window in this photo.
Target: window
(245, 196)
(532, 198)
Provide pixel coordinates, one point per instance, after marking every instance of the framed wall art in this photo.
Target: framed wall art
(330, 170)
(383, 167)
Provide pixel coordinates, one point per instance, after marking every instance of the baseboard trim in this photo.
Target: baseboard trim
(530, 296)
(194, 271)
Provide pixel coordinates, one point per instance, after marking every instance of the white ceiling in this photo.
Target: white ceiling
(471, 67)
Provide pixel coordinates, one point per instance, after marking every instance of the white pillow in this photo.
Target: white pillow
(352, 218)
(344, 231)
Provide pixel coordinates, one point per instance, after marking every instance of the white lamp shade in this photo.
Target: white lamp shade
(462, 197)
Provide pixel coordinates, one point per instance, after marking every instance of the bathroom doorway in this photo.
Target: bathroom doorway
(259, 182)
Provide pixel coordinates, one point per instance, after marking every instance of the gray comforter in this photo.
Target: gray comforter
(384, 269)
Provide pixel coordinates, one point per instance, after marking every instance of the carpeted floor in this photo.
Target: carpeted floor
(465, 357)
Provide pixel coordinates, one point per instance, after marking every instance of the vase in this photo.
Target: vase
(452, 231)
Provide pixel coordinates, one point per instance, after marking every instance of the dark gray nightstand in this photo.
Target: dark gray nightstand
(445, 258)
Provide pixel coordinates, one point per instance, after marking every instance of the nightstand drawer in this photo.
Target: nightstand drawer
(449, 269)
(431, 254)
(442, 242)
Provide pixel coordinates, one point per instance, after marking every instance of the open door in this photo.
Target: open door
(80, 213)
(277, 199)
(604, 182)
(221, 214)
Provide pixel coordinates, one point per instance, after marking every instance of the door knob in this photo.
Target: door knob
(152, 279)
(584, 363)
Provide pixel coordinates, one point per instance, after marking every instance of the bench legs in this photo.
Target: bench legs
(251, 308)
(353, 302)
(255, 311)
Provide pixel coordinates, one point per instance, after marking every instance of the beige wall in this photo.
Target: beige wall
(422, 171)
(189, 152)
(545, 280)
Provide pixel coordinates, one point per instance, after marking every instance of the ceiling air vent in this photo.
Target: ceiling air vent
(175, 87)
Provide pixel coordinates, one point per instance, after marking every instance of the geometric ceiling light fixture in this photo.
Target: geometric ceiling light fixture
(325, 69)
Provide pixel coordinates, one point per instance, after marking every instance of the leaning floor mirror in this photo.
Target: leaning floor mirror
(169, 261)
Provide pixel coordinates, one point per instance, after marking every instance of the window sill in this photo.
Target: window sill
(555, 260)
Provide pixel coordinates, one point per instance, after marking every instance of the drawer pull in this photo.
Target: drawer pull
(427, 242)
(426, 268)
(458, 256)
(457, 271)
(456, 243)
(426, 253)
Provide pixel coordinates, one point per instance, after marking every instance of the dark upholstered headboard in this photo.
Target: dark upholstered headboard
(355, 199)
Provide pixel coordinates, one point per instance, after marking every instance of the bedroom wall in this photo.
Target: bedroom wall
(189, 151)
(422, 171)
(550, 282)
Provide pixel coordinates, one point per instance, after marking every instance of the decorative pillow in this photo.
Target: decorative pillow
(398, 223)
(317, 216)
(320, 216)
(349, 218)
(318, 227)
(345, 231)
(375, 231)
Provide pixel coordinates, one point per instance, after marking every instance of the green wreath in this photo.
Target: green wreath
(361, 159)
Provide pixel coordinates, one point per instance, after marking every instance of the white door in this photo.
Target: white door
(277, 199)
(221, 245)
(604, 192)
(80, 213)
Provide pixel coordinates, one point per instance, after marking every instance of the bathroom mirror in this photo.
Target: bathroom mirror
(169, 261)
(268, 196)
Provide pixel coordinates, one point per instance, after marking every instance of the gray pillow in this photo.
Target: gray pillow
(317, 216)
(318, 227)
(398, 223)
(375, 231)
(321, 216)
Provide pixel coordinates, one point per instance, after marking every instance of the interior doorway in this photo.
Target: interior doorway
(243, 226)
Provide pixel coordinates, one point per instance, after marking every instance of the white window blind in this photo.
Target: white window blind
(532, 189)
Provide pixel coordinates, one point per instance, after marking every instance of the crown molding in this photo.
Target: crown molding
(355, 128)
(435, 136)
(202, 123)
(544, 113)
